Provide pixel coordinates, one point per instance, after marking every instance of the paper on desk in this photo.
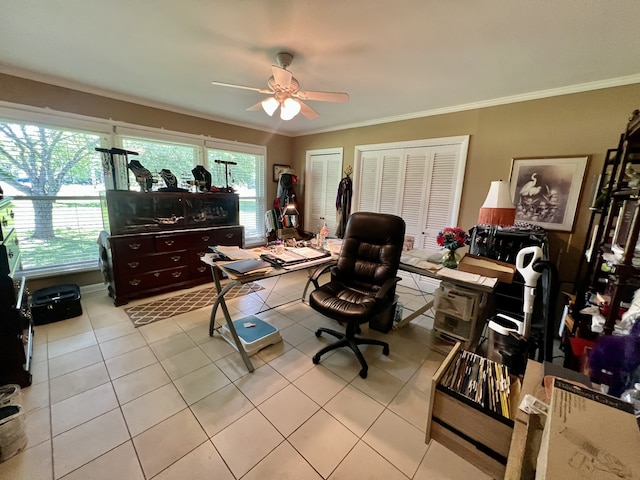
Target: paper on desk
(237, 253)
(467, 277)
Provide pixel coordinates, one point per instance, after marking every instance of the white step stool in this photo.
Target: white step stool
(253, 338)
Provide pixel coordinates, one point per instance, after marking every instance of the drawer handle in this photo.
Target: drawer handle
(10, 254)
(176, 258)
(229, 235)
(202, 269)
(11, 214)
(16, 241)
(169, 242)
(5, 222)
(205, 238)
(135, 282)
(176, 274)
(133, 264)
(134, 246)
(201, 254)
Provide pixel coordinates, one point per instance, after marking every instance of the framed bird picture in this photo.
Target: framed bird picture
(546, 190)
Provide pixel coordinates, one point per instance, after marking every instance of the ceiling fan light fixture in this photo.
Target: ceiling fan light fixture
(270, 105)
(289, 109)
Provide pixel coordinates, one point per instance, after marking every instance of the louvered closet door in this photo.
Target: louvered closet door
(325, 173)
(380, 181)
(440, 196)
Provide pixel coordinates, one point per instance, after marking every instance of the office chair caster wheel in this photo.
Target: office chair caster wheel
(363, 373)
(318, 333)
(385, 351)
(315, 359)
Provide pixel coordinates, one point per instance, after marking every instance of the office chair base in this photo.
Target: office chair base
(351, 342)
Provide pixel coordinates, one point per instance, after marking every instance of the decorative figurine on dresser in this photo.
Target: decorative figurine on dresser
(155, 239)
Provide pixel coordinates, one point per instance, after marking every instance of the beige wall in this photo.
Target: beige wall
(583, 123)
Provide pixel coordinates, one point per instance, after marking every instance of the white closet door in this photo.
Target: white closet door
(442, 197)
(380, 180)
(324, 169)
(417, 163)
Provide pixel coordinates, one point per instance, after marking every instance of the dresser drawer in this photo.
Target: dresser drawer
(170, 243)
(6, 219)
(199, 268)
(155, 279)
(132, 246)
(153, 262)
(230, 237)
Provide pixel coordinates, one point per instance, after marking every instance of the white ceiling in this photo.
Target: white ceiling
(396, 59)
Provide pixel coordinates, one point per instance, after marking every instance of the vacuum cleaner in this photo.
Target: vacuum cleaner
(510, 340)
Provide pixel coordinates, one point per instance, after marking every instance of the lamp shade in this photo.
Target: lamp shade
(289, 109)
(497, 209)
(270, 105)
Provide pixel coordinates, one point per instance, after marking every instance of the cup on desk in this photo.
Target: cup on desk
(279, 249)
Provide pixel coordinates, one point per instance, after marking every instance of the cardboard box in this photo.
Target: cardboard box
(588, 435)
(487, 267)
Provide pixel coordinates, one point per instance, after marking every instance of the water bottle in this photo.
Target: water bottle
(633, 397)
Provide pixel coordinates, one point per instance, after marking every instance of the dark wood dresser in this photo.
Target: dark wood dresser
(157, 238)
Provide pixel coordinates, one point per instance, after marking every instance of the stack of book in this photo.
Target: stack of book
(480, 380)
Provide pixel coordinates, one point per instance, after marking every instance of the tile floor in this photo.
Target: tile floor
(166, 401)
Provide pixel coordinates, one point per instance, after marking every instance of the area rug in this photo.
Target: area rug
(183, 303)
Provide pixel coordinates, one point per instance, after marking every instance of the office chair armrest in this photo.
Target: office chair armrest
(315, 276)
(386, 287)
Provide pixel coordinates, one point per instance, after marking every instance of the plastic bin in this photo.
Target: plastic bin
(13, 437)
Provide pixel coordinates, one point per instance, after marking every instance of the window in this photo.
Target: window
(54, 176)
(246, 173)
(49, 165)
(157, 156)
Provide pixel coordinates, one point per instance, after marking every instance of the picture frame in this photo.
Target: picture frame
(546, 190)
(277, 170)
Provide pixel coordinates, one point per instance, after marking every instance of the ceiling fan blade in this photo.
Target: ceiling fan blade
(308, 112)
(281, 76)
(336, 97)
(261, 90)
(255, 107)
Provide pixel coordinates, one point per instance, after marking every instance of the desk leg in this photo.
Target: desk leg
(416, 314)
(220, 301)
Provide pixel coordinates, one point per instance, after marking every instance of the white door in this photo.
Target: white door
(324, 172)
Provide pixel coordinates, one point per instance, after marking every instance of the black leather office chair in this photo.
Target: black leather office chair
(363, 282)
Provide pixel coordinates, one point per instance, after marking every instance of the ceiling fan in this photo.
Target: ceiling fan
(285, 93)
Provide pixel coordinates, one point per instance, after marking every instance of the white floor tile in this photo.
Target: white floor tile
(80, 445)
(354, 409)
(288, 409)
(320, 384)
(364, 462)
(74, 361)
(398, 441)
(30, 464)
(323, 442)
(442, 464)
(171, 346)
(78, 381)
(122, 344)
(138, 383)
(168, 441)
(292, 364)
(121, 462)
(200, 383)
(246, 442)
(185, 362)
(82, 407)
(203, 463)
(261, 384)
(71, 344)
(130, 362)
(379, 385)
(146, 411)
(284, 463)
(221, 408)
